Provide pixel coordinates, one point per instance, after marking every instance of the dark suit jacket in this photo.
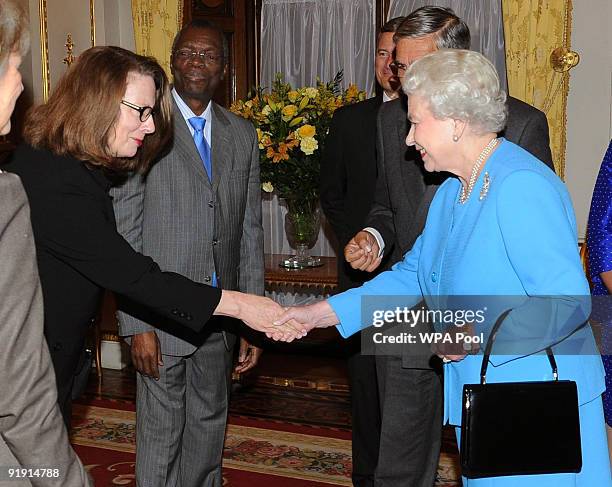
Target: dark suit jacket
(404, 190)
(80, 252)
(348, 176)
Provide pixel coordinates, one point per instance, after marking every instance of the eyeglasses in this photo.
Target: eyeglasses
(145, 112)
(207, 57)
(398, 69)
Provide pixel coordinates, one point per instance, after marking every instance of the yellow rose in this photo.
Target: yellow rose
(308, 145)
(289, 112)
(311, 92)
(267, 187)
(266, 110)
(306, 131)
(293, 96)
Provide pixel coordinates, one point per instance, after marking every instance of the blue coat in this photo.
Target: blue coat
(518, 240)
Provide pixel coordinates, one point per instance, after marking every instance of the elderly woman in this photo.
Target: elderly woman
(503, 225)
(32, 433)
(109, 114)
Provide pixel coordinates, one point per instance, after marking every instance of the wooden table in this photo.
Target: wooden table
(314, 280)
(322, 279)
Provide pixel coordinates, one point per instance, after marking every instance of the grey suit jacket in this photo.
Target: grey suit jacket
(32, 431)
(190, 226)
(404, 190)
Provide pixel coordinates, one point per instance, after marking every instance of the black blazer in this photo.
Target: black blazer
(348, 178)
(404, 189)
(80, 252)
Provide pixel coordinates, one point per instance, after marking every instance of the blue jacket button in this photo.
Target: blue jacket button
(434, 277)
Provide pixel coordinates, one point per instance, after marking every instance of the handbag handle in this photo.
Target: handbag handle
(489, 346)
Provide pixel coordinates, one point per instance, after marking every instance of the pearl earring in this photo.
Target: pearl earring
(455, 138)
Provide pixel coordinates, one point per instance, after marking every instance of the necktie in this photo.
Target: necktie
(203, 148)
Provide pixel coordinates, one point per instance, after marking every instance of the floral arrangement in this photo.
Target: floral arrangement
(292, 125)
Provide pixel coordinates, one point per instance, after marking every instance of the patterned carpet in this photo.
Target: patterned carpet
(277, 436)
(104, 438)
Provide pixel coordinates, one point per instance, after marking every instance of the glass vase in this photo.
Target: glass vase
(302, 224)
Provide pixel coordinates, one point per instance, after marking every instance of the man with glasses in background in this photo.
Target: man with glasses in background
(409, 381)
(348, 180)
(198, 213)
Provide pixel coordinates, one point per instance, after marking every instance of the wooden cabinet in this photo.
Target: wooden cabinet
(239, 20)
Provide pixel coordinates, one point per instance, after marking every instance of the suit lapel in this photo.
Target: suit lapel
(220, 149)
(184, 144)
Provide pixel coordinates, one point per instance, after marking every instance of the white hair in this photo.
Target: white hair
(461, 85)
(14, 34)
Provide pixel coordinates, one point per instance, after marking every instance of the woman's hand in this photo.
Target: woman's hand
(458, 347)
(259, 313)
(308, 317)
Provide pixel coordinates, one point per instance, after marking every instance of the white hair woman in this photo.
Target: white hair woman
(14, 42)
(502, 224)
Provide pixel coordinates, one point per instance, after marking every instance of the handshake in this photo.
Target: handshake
(286, 324)
(279, 323)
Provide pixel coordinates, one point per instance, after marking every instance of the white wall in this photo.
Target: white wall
(113, 20)
(115, 23)
(589, 105)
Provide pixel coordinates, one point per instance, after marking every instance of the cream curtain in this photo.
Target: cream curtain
(306, 39)
(483, 17)
(156, 22)
(533, 29)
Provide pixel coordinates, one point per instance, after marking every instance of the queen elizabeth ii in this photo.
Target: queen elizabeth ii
(501, 224)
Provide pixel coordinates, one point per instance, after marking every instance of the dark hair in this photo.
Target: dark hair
(391, 25)
(83, 109)
(203, 24)
(450, 31)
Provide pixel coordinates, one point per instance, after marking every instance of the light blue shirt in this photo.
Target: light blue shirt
(188, 113)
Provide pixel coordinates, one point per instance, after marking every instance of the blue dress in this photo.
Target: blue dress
(599, 244)
(515, 237)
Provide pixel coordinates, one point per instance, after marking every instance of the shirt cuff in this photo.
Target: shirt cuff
(379, 239)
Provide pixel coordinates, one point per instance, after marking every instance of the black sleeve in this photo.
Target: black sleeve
(535, 138)
(80, 234)
(333, 180)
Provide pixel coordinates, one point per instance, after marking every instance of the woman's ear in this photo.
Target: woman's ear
(458, 129)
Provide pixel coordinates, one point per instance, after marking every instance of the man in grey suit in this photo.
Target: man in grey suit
(409, 382)
(197, 212)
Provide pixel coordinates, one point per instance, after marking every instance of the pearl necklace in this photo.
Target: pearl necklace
(466, 192)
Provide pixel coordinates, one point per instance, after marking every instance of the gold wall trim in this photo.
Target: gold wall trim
(44, 50)
(69, 59)
(92, 21)
(109, 336)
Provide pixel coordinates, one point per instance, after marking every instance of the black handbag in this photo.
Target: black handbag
(519, 428)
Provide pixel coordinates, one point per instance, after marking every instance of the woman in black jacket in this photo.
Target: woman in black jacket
(110, 114)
